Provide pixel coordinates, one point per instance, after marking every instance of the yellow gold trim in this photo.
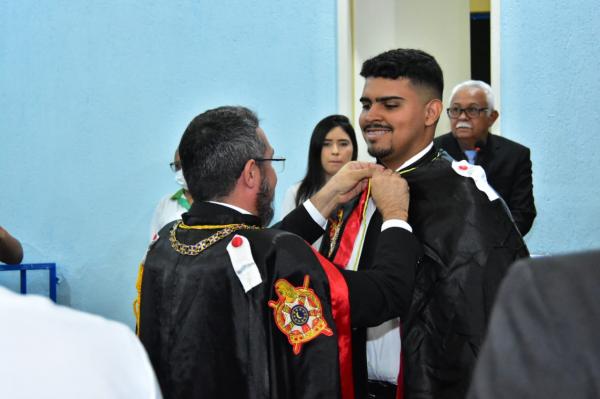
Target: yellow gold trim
(364, 228)
(207, 226)
(138, 300)
(352, 61)
(335, 225)
(402, 172)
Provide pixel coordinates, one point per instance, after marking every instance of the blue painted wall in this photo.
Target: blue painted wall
(550, 58)
(95, 96)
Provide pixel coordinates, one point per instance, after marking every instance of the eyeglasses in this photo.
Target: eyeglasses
(175, 166)
(471, 112)
(279, 166)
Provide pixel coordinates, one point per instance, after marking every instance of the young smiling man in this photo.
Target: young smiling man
(398, 117)
(468, 238)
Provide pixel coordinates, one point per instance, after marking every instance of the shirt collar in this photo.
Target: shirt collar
(416, 157)
(235, 208)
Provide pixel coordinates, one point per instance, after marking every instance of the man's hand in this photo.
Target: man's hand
(390, 194)
(347, 183)
(352, 179)
(10, 248)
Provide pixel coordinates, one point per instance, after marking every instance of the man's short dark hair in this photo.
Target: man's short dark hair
(415, 65)
(215, 148)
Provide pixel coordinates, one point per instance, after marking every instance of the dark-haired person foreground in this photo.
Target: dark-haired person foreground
(543, 335)
(230, 309)
(507, 164)
(467, 235)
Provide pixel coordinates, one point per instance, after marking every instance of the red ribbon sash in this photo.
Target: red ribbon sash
(350, 232)
(340, 308)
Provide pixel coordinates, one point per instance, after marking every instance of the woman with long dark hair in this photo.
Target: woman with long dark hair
(332, 145)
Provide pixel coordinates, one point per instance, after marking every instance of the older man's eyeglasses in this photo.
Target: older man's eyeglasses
(471, 112)
(175, 166)
(279, 164)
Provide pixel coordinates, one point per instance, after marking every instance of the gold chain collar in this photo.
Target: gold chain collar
(195, 249)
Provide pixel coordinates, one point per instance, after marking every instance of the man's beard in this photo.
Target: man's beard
(379, 153)
(264, 203)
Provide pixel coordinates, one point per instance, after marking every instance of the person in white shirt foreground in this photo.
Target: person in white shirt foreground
(51, 351)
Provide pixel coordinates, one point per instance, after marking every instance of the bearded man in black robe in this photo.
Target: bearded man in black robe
(230, 309)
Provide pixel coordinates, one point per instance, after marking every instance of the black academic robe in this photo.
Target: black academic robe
(469, 243)
(208, 338)
(507, 166)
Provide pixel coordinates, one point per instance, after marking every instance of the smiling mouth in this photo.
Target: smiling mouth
(373, 133)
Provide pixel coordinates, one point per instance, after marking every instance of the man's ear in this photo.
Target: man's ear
(250, 176)
(433, 110)
(493, 116)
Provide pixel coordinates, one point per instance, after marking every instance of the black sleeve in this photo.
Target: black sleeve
(385, 290)
(521, 202)
(300, 223)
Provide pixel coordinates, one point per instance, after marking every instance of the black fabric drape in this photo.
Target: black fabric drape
(207, 338)
(469, 244)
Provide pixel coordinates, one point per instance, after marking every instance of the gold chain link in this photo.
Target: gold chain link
(195, 249)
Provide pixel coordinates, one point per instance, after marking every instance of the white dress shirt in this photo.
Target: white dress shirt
(289, 204)
(51, 351)
(383, 341)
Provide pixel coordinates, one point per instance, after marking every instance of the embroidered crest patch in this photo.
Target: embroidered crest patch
(298, 313)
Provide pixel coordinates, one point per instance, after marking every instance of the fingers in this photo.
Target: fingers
(362, 165)
(353, 178)
(391, 195)
(382, 172)
(356, 170)
(358, 165)
(360, 174)
(356, 190)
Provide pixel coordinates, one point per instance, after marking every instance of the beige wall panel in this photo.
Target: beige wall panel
(441, 28)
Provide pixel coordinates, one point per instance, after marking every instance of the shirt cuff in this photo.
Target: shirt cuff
(315, 214)
(396, 223)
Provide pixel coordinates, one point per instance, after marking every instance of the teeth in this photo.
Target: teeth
(373, 133)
